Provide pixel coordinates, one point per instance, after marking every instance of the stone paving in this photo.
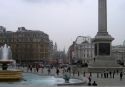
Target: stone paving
(100, 81)
(109, 81)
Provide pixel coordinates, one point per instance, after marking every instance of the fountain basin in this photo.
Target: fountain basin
(35, 80)
(6, 61)
(10, 75)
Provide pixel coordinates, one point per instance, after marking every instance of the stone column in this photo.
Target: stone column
(102, 16)
(97, 49)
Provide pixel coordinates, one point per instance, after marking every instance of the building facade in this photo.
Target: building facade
(70, 53)
(82, 49)
(118, 52)
(27, 46)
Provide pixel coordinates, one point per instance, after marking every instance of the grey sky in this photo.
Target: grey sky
(63, 20)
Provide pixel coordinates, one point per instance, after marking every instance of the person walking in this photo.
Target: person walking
(78, 73)
(113, 75)
(91, 74)
(37, 67)
(110, 73)
(28, 67)
(104, 74)
(31, 68)
(94, 59)
(101, 74)
(57, 71)
(49, 71)
(84, 74)
(117, 71)
(121, 75)
(97, 74)
(73, 72)
(107, 73)
(89, 78)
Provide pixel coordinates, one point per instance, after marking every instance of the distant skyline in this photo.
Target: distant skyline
(63, 20)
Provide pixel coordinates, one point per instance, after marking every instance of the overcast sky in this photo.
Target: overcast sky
(63, 20)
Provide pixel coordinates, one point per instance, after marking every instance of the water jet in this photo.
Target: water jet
(6, 59)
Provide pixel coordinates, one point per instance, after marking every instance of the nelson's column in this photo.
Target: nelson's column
(102, 40)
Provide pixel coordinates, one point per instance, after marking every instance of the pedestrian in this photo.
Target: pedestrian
(113, 74)
(104, 74)
(89, 84)
(89, 78)
(73, 72)
(57, 71)
(28, 68)
(49, 71)
(101, 75)
(107, 73)
(94, 59)
(121, 75)
(31, 68)
(91, 74)
(97, 74)
(78, 73)
(94, 84)
(84, 74)
(69, 69)
(37, 67)
(110, 73)
(117, 71)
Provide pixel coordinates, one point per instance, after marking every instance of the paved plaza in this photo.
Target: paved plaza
(100, 81)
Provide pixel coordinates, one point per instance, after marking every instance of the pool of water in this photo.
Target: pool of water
(34, 79)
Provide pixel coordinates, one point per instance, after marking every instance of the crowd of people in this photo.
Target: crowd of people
(104, 74)
(39, 68)
(110, 74)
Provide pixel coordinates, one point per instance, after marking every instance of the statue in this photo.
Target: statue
(66, 77)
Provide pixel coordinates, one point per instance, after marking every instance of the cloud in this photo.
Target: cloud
(63, 20)
(53, 1)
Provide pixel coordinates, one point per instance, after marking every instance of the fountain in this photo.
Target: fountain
(5, 60)
(9, 75)
(66, 77)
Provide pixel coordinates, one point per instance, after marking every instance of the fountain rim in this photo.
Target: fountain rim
(6, 61)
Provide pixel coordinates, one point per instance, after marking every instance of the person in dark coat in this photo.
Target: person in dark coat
(49, 71)
(89, 78)
(89, 84)
(94, 84)
(91, 74)
(78, 73)
(117, 71)
(101, 75)
(110, 73)
(84, 74)
(121, 75)
(57, 71)
(113, 74)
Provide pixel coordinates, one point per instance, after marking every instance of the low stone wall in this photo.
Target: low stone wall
(8, 75)
(97, 69)
(102, 69)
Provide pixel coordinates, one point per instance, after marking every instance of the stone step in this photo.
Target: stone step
(104, 63)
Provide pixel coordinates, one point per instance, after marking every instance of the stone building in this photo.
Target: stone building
(70, 53)
(27, 45)
(82, 49)
(118, 52)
